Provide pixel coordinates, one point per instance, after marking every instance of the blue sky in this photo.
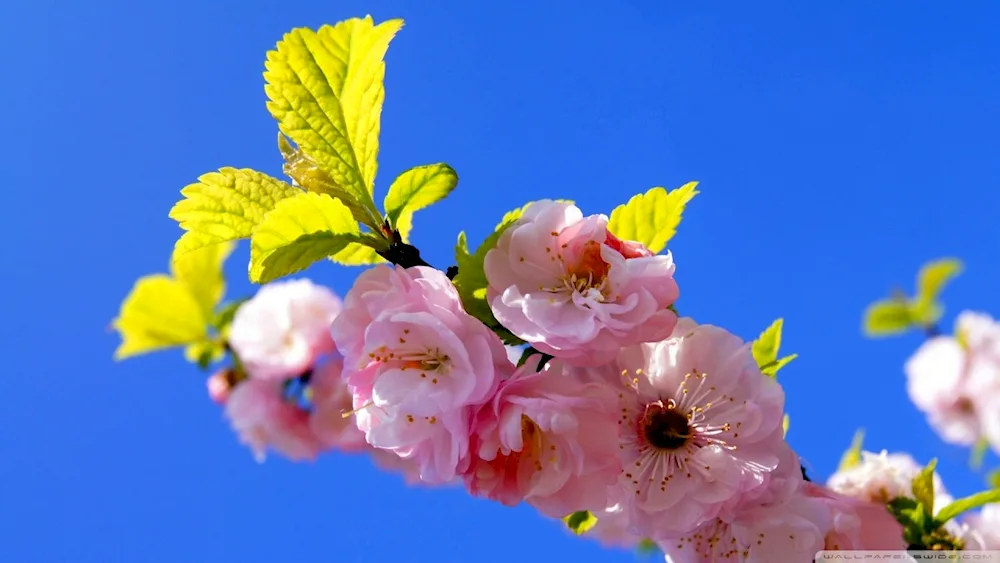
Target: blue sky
(838, 146)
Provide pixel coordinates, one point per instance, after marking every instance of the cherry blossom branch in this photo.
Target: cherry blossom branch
(403, 254)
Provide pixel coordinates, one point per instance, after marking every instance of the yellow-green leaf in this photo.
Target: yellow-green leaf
(305, 171)
(934, 275)
(225, 206)
(765, 348)
(326, 91)
(993, 479)
(158, 313)
(223, 317)
(652, 218)
(580, 522)
(772, 369)
(968, 503)
(416, 189)
(887, 317)
(852, 457)
(784, 424)
(926, 313)
(978, 453)
(201, 272)
(646, 547)
(205, 353)
(356, 254)
(923, 486)
(299, 232)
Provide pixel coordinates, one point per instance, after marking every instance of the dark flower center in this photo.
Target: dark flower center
(965, 406)
(665, 428)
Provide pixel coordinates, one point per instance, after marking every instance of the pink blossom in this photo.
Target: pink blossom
(331, 400)
(857, 524)
(700, 426)
(627, 248)
(263, 419)
(547, 439)
(772, 520)
(557, 281)
(989, 409)
(219, 385)
(979, 333)
(281, 332)
(955, 381)
(417, 365)
(789, 532)
(882, 477)
(985, 526)
(389, 461)
(937, 383)
(967, 535)
(613, 528)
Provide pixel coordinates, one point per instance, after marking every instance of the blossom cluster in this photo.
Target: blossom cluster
(955, 381)
(664, 429)
(548, 367)
(882, 477)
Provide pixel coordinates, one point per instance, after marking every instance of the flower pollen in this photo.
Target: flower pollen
(423, 360)
(664, 428)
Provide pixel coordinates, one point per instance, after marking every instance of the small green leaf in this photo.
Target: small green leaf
(225, 206)
(923, 486)
(765, 350)
(471, 279)
(993, 479)
(852, 457)
(326, 90)
(961, 338)
(784, 424)
(201, 272)
(926, 314)
(652, 218)
(926, 307)
(934, 276)
(580, 522)
(416, 189)
(301, 231)
(901, 506)
(978, 454)
(888, 317)
(921, 520)
(912, 516)
(205, 353)
(158, 313)
(772, 369)
(968, 503)
(646, 547)
(224, 316)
